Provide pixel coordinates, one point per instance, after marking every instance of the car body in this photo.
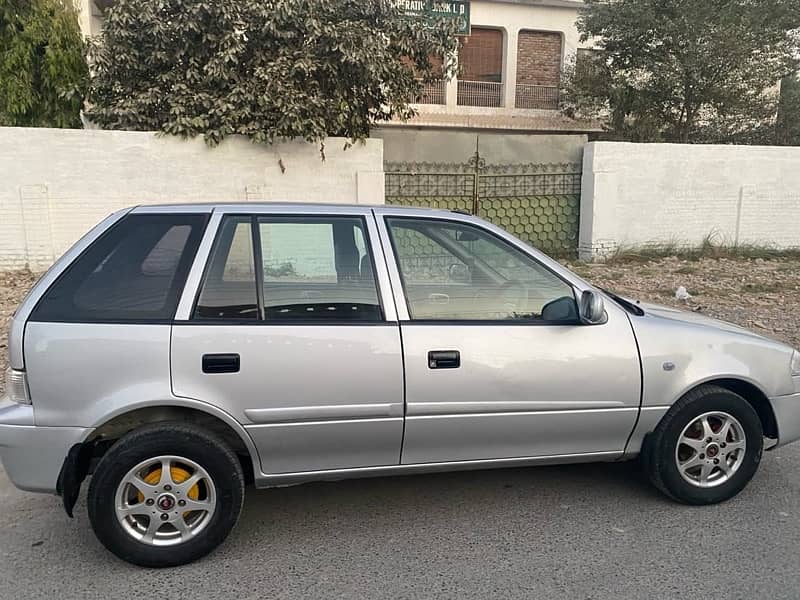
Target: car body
(322, 342)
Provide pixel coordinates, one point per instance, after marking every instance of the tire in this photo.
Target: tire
(190, 451)
(663, 455)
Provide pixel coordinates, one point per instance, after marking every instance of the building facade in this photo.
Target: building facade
(509, 67)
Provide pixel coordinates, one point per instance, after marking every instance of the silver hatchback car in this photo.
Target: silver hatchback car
(176, 353)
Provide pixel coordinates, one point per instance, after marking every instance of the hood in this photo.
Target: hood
(683, 316)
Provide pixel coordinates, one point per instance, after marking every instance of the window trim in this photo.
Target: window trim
(257, 217)
(207, 258)
(186, 263)
(410, 320)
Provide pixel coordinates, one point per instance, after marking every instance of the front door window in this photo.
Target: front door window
(456, 271)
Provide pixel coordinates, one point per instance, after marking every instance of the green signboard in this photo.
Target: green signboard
(428, 10)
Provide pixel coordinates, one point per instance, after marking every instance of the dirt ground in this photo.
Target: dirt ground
(760, 294)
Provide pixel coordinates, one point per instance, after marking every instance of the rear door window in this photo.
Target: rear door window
(304, 268)
(135, 272)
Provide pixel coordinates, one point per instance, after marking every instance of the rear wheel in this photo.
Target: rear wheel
(165, 494)
(707, 447)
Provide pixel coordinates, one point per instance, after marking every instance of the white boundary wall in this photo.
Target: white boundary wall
(637, 195)
(56, 184)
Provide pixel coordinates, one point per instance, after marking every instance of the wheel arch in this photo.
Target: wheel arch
(118, 423)
(754, 395)
(748, 390)
(84, 455)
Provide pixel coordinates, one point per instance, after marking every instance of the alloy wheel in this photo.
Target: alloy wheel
(710, 449)
(165, 500)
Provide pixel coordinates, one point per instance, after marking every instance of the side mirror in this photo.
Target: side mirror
(458, 273)
(592, 308)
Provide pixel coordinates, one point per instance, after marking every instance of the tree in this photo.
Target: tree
(683, 70)
(43, 72)
(266, 69)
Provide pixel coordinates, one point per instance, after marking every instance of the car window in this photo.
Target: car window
(455, 271)
(425, 261)
(134, 272)
(317, 268)
(229, 287)
(310, 268)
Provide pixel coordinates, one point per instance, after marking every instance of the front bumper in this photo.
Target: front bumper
(32, 456)
(787, 416)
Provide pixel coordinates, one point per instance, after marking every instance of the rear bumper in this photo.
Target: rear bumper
(32, 456)
(787, 416)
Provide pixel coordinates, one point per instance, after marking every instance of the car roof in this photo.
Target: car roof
(246, 207)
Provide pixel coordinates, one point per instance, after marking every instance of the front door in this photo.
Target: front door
(290, 335)
(497, 363)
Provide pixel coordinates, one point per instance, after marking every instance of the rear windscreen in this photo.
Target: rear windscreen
(135, 272)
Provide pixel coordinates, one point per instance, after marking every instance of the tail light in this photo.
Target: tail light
(17, 386)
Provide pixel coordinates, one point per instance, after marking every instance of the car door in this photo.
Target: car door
(497, 362)
(293, 332)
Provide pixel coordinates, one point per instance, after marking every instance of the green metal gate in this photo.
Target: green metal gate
(539, 203)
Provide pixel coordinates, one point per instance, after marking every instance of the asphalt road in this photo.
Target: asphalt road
(577, 532)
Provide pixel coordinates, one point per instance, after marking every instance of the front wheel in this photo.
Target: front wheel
(707, 447)
(165, 495)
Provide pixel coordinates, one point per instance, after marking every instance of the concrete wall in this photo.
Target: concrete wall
(56, 184)
(425, 145)
(657, 194)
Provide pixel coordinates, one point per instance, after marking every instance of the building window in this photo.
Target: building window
(433, 92)
(480, 59)
(538, 69)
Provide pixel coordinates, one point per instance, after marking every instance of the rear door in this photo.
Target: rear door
(497, 363)
(294, 332)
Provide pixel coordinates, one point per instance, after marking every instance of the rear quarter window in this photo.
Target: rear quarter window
(135, 272)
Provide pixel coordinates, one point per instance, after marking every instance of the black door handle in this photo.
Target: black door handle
(220, 363)
(444, 359)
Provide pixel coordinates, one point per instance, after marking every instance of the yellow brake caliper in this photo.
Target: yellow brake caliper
(179, 475)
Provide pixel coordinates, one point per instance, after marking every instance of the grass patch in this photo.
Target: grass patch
(766, 288)
(687, 270)
(709, 248)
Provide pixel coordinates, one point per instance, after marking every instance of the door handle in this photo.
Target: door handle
(444, 359)
(221, 363)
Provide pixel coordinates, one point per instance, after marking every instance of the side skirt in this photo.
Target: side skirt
(264, 480)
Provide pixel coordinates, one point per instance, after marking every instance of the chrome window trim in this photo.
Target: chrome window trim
(393, 270)
(193, 281)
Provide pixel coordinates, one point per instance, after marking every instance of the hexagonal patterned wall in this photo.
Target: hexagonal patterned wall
(539, 204)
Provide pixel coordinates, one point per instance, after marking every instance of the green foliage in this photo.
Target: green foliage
(266, 69)
(43, 72)
(685, 70)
